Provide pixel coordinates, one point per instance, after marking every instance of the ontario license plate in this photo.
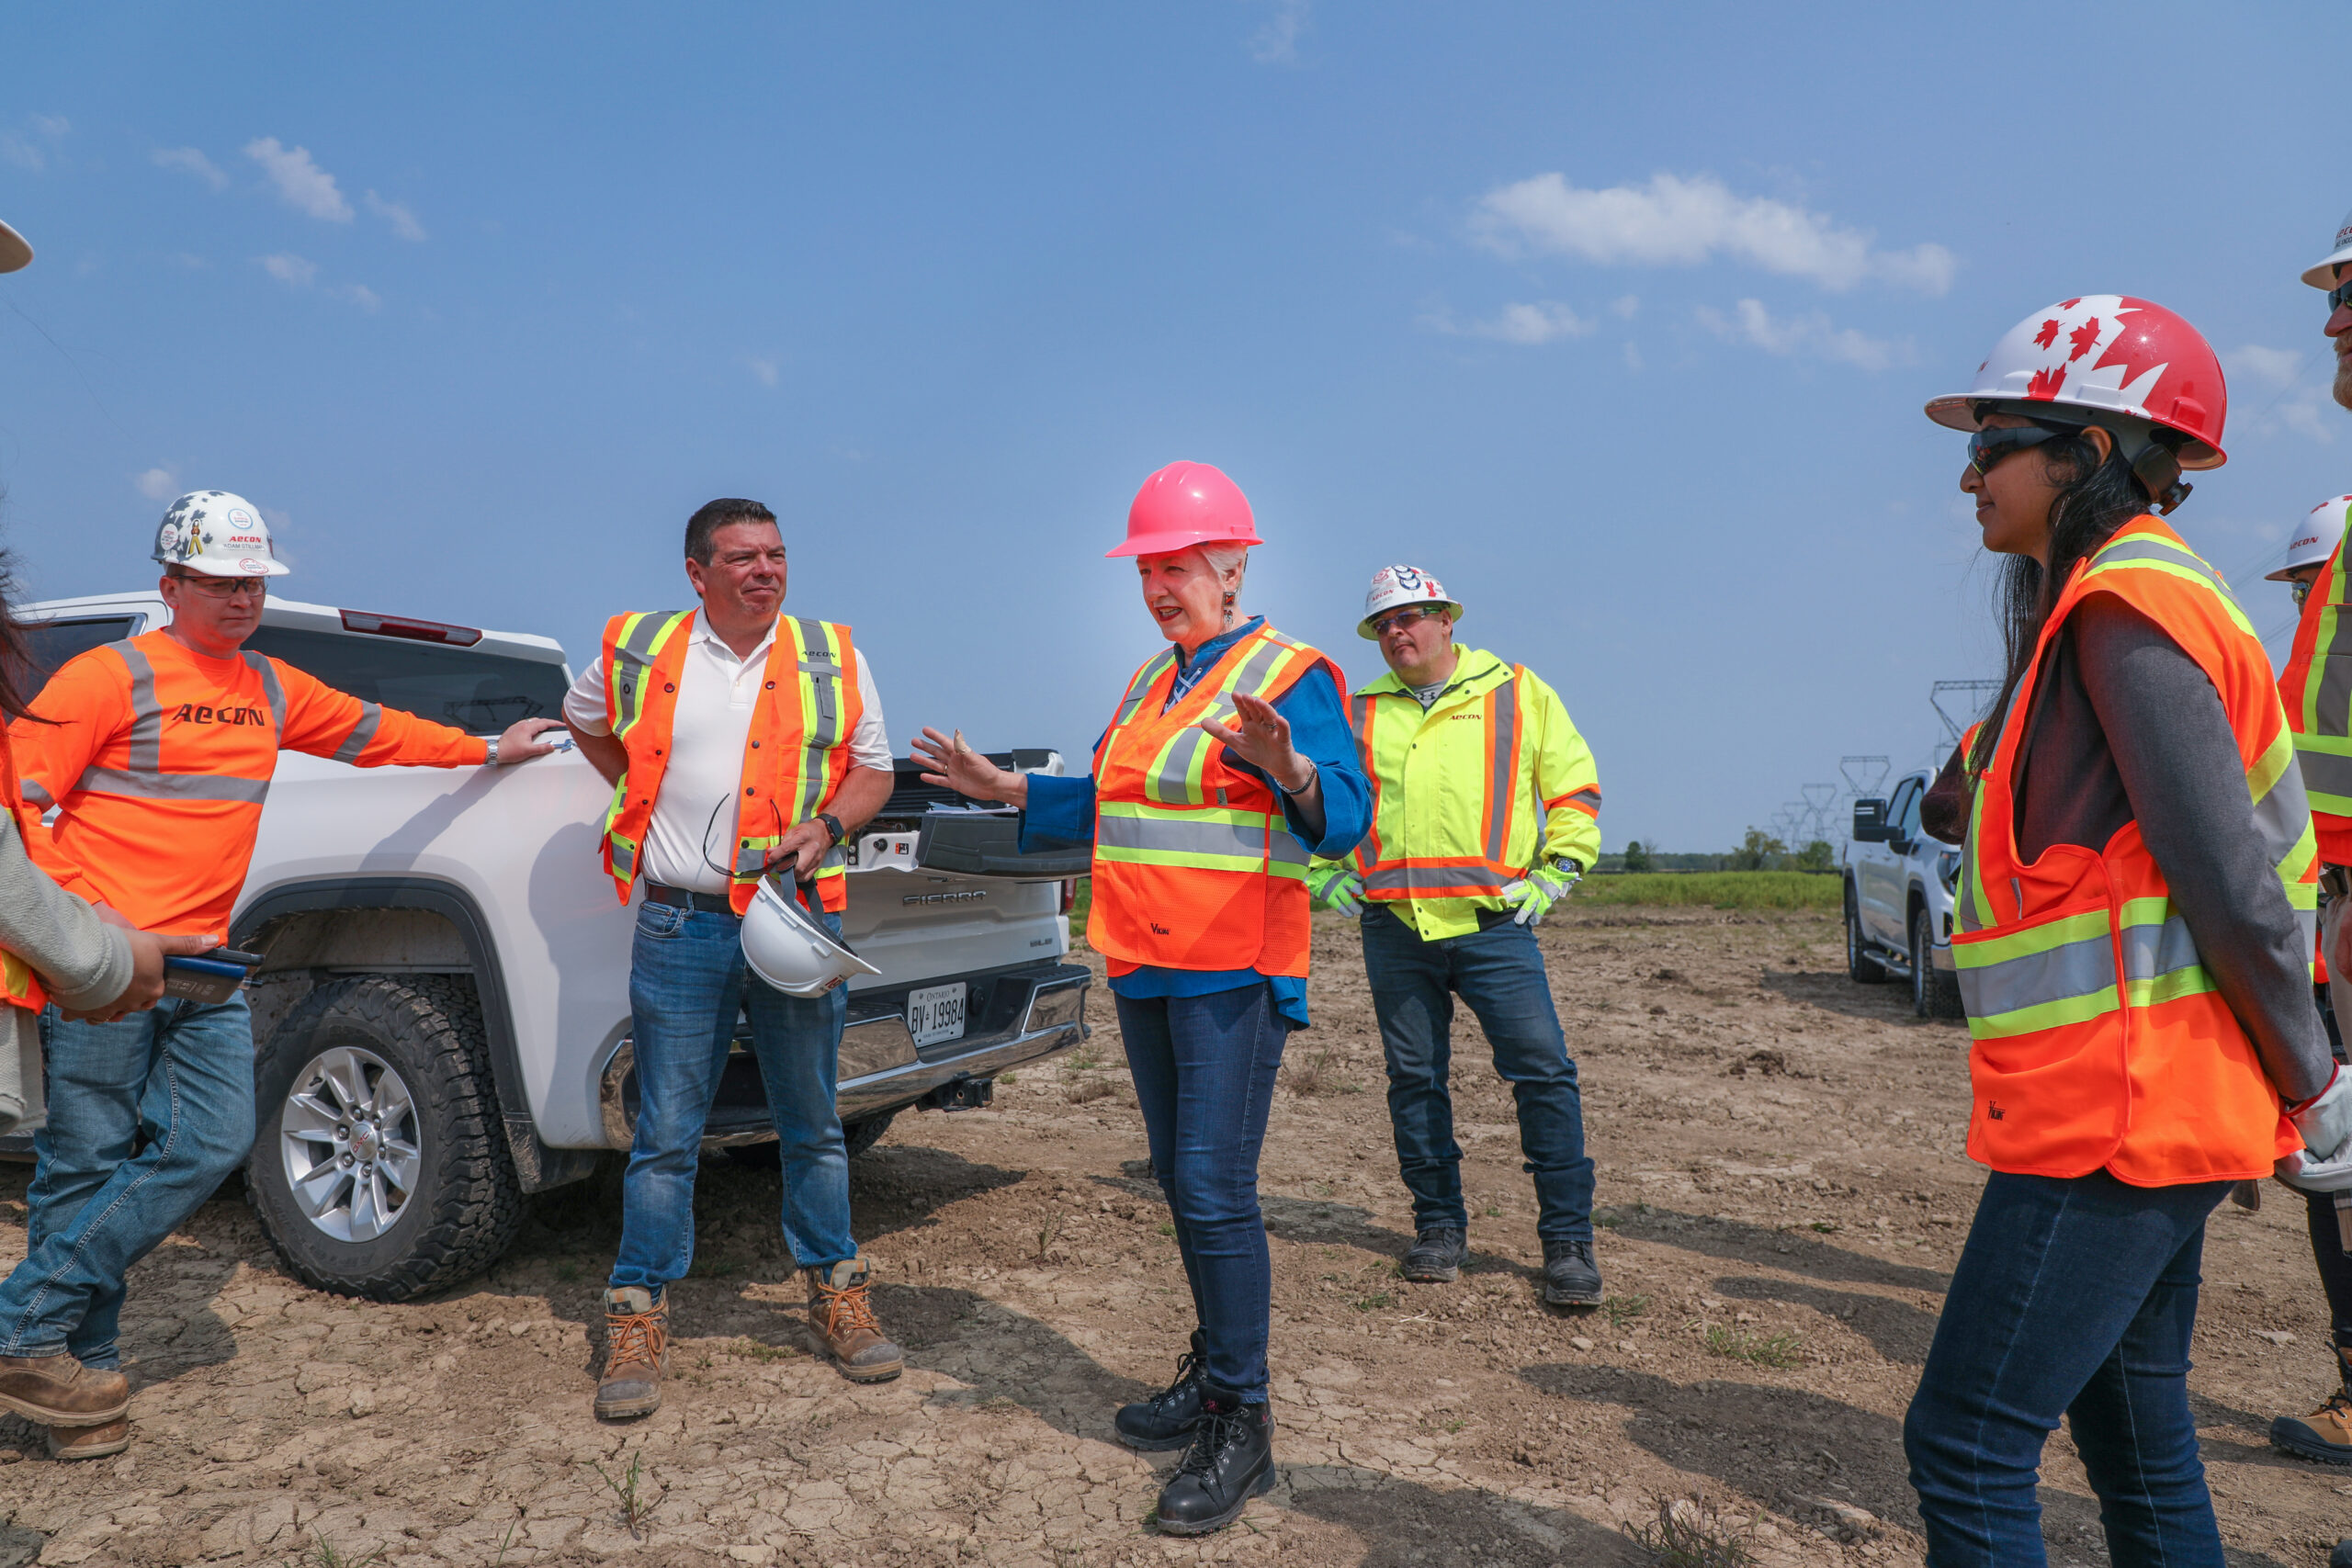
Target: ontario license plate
(935, 1013)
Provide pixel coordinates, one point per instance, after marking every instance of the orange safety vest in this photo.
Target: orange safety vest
(801, 725)
(1195, 866)
(2320, 711)
(20, 986)
(2100, 1041)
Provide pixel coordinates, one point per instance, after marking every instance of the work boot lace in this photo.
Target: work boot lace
(1187, 1367)
(634, 1338)
(845, 1309)
(1218, 1430)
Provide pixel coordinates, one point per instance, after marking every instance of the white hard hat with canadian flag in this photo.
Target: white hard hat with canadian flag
(2102, 355)
(218, 534)
(2316, 538)
(1397, 585)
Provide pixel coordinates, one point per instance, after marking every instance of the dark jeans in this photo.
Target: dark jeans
(180, 1076)
(2075, 1297)
(1499, 972)
(1203, 1070)
(2334, 1274)
(687, 979)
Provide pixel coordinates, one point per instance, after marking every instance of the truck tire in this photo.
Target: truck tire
(1934, 993)
(1860, 967)
(859, 1136)
(374, 1094)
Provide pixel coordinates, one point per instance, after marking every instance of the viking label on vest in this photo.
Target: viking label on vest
(198, 713)
(1994, 1111)
(1158, 929)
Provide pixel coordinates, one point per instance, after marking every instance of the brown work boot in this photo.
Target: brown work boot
(58, 1391)
(637, 1352)
(841, 1313)
(90, 1442)
(2324, 1435)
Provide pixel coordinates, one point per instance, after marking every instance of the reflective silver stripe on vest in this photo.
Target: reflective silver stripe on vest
(2151, 951)
(1459, 881)
(632, 657)
(273, 689)
(2057, 973)
(2335, 705)
(2282, 814)
(826, 675)
(371, 717)
(623, 857)
(1169, 835)
(33, 792)
(2143, 550)
(1173, 781)
(172, 786)
(1502, 781)
(1140, 686)
(1583, 798)
(146, 714)
(2324, 773)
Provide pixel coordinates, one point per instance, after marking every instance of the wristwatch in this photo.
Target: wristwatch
(832, 825)
(490, 759)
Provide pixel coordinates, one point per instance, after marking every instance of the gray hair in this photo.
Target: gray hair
(1223, 558)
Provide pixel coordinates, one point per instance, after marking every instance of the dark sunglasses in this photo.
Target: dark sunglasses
(1987, 447)
(1396, 620)
(2339, 297)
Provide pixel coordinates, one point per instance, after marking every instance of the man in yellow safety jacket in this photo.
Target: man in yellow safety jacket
(1484, 812)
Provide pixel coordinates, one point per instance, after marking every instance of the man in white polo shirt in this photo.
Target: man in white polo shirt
(740, 741)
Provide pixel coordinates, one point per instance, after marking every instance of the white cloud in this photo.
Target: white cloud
(2292, 403)
(158, 484)
(1633, 356)
(305, 187)
(1276, 43)
(362, 296)
(1811, 335)
(1624, 305)
(52, 125)
(766, 369)
(191, 161)
(1683, 221)
(1528, 325)
(30, 156)
(402, 221)
(287, 268)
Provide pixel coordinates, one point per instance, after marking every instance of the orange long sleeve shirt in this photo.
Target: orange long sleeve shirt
(158, 761)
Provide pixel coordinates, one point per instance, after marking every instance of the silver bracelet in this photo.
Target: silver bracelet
(491, 759)
(1314, 771)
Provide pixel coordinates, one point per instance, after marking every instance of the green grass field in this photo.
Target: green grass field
(1716, 889)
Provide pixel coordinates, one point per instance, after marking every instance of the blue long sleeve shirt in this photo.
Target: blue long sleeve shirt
(1061, 811)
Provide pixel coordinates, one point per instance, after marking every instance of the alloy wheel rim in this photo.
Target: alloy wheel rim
(348, 1141)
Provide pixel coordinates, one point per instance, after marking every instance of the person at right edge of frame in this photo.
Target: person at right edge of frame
(1486, 811)
(2133, 934)
(740, 741)
(1226, 765)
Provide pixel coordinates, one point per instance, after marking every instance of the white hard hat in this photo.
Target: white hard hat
(787, 947)
(218, 534)
(2323, 274)
(14, 252)
(1394, 585)
(2315, 538)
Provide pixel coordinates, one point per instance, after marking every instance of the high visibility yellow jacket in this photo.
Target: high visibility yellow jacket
(1492, 779)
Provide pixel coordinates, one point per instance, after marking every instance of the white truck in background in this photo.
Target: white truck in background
(1899, 885)
(442, 1017)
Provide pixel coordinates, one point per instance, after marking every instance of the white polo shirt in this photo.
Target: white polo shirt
(692, 836)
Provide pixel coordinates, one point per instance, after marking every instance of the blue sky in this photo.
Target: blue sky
(1617, 321)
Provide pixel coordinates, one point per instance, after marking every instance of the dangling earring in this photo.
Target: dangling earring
(1228, 610)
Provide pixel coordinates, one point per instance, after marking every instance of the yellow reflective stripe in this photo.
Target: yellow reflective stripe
(643, 636)
(2325, 763)
(2186, 573)
(2193, 981)
(2033, 939)
(1208, 840)
(2046, 1015)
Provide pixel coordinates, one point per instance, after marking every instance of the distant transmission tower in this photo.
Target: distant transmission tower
(1969, 697)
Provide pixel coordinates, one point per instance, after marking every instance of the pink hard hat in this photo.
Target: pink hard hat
(1186, 504)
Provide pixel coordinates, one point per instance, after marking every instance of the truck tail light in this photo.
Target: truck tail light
(414, 631)
(1069, 894)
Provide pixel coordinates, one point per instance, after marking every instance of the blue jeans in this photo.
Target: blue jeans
(2075, 1297)
(686, 982)
(1203, 1070)
(182, 1075)
(1499, 972)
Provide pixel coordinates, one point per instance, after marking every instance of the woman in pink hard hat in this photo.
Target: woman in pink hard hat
(1226, 763)
(2132, 931)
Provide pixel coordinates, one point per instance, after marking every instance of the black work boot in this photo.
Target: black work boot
(1571, 1279)
(1436, 1257)
(1231, 1460)
(1166, 1420)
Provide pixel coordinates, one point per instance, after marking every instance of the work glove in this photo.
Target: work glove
(1533, 895)
(2325, 1121)
(1337, 886)
(2306, 1172)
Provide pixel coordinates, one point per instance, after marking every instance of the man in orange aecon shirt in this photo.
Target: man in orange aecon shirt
(157, 753)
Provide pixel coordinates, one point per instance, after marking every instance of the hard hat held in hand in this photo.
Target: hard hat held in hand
(1186, 504)
(787, 946)
(2103, 353)
(1396, 586)
(2315, 538)
(218, 534)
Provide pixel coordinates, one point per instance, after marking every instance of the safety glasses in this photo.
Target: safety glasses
(1398, 620)
(2339, 297)
(225, 587)
(1988, 446)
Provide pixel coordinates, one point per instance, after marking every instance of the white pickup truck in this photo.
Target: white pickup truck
(1898, 900)
(442, 1017)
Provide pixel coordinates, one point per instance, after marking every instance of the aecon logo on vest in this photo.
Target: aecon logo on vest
(201, 712)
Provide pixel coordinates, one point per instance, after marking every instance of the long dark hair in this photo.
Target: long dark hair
(20, 674)
(2094, 500)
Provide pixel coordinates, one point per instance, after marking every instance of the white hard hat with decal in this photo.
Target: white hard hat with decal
(218, 534)
(1397, 585)
(2315, 538)
(2321, 272)
(787, 947)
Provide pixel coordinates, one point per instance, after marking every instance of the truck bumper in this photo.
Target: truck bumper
(1029, 1013)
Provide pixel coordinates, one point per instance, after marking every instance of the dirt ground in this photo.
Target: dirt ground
(1782, 1194)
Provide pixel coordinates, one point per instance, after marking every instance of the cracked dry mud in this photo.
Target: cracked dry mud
(1780, 1182)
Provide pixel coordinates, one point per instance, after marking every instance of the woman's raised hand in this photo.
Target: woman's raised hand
(949, 761)
(1261, 736)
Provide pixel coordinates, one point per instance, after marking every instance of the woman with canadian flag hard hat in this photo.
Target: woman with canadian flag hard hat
(1227, 762)
(2134, 932)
